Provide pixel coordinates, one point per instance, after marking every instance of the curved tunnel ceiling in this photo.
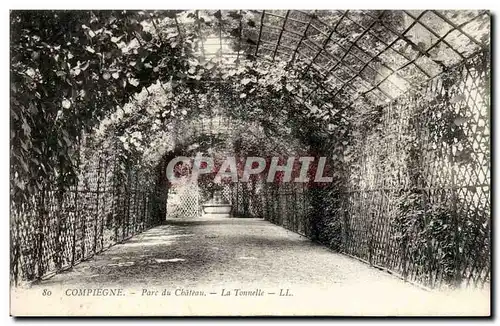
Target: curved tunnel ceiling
(347, 57)
(343, 58)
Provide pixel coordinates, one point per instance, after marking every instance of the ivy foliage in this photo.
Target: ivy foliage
(68, 69)
(75, 72)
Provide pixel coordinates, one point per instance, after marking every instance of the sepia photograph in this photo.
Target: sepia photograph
(246, 162)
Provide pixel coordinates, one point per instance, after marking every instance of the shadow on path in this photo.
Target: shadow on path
(215, 254)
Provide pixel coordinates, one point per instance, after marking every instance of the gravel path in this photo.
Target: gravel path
(198, 261)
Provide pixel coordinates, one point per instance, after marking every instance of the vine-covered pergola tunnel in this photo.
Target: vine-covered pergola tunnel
(397, 101)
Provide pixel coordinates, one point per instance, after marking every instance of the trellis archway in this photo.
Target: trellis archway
(99, 106)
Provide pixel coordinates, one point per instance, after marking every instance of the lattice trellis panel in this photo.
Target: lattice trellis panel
(245, 199)
(440, 184)
(184, 201)
(227, 193)
(59, 229)
(418, 199)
